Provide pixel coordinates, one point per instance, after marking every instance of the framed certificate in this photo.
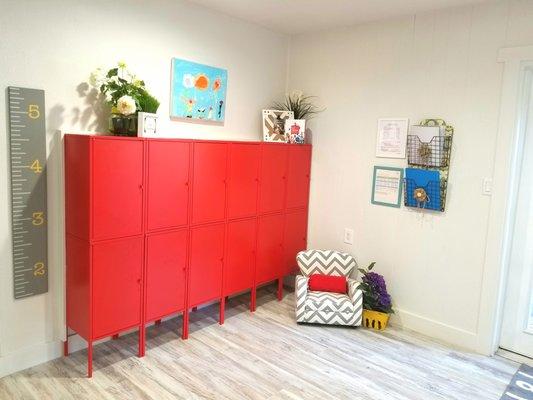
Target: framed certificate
(387, 186)
(391, 138)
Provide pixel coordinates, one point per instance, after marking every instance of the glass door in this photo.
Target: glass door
(517, 324)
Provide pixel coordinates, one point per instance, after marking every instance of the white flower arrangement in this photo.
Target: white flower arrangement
(124, 92)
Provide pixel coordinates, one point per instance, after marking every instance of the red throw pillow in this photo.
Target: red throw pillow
(327, 283)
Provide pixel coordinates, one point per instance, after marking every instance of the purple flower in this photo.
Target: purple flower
(375, 281)
(375, 292)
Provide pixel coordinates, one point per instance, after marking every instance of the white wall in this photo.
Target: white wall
(54, 45)
(440, 64)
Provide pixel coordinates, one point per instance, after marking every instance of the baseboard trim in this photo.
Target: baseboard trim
(458, 337)
(28, 357)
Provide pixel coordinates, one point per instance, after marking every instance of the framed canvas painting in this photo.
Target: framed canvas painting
(198, 92)
(274, 125)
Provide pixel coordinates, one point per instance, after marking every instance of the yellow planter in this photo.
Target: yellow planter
(375, 320)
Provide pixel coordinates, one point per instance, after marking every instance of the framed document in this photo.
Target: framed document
(387, 186)
(392, 137)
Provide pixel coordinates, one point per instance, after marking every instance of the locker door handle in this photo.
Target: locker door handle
(139, 281)
(186, 183)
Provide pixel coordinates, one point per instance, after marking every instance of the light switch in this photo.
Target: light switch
(487, 186)
(348, 236)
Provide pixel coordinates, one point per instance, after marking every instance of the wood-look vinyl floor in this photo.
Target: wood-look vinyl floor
(266, 355)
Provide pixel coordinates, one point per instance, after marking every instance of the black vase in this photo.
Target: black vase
(124, 125)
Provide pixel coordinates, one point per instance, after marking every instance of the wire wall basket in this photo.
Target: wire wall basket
(433, 154)
(431, 196)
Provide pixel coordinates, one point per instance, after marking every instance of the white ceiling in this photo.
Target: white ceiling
(298, 16)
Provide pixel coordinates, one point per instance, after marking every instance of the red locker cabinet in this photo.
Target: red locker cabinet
(209, 182)
(158, 226)
(243, 180)
(240, 256)
(168, 184)
(299, 172)
(207, 256)
(104, 194)
(117, 188)
(166, 266)
(295, 239)
(116, 285)
(273, 178)
(269, 248)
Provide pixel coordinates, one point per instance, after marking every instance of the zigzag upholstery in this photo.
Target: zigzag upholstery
(325, 262)
(325, 307)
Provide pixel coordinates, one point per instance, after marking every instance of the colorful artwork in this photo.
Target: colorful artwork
(295, 131)
(198, 92)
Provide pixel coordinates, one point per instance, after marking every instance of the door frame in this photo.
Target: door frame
(507, 161)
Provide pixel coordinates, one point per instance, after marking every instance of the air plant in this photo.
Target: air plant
(303, 106)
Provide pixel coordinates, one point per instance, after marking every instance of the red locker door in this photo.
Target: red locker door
(205, 275)
(243, 180)
(209, 187)
(168, 184)
(165, 273)
(117, 188)
(273, 178)
(294, 238)
(117, 272)
(269, 248)
(298, 176)
(240, 256)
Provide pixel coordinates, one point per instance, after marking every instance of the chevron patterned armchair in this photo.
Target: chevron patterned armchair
(326, 307)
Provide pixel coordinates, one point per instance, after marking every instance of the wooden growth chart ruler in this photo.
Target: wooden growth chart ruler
(27, 133)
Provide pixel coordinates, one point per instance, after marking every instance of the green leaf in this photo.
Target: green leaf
(371, 265)
(112, 72)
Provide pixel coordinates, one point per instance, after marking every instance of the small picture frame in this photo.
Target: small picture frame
(391, 140)
(387, 186)
(274, 125)
(147, 124)
(295, 131)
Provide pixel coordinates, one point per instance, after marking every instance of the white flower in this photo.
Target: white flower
(188, 80)
(136, 82)
(122, 64)
(95, 79)
(126, 105)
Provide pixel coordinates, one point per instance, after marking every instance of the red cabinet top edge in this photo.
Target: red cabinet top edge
(186, 140)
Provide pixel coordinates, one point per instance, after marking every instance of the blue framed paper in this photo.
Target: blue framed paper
(198, 92)
(387, 185)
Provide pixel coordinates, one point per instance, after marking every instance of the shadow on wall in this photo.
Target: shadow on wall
(94, 117)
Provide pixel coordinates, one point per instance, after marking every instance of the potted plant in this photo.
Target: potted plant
(303, 108)
(377, 303)
(301, 105)
(126, 95)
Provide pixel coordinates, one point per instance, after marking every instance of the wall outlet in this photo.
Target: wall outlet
(348, 236)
